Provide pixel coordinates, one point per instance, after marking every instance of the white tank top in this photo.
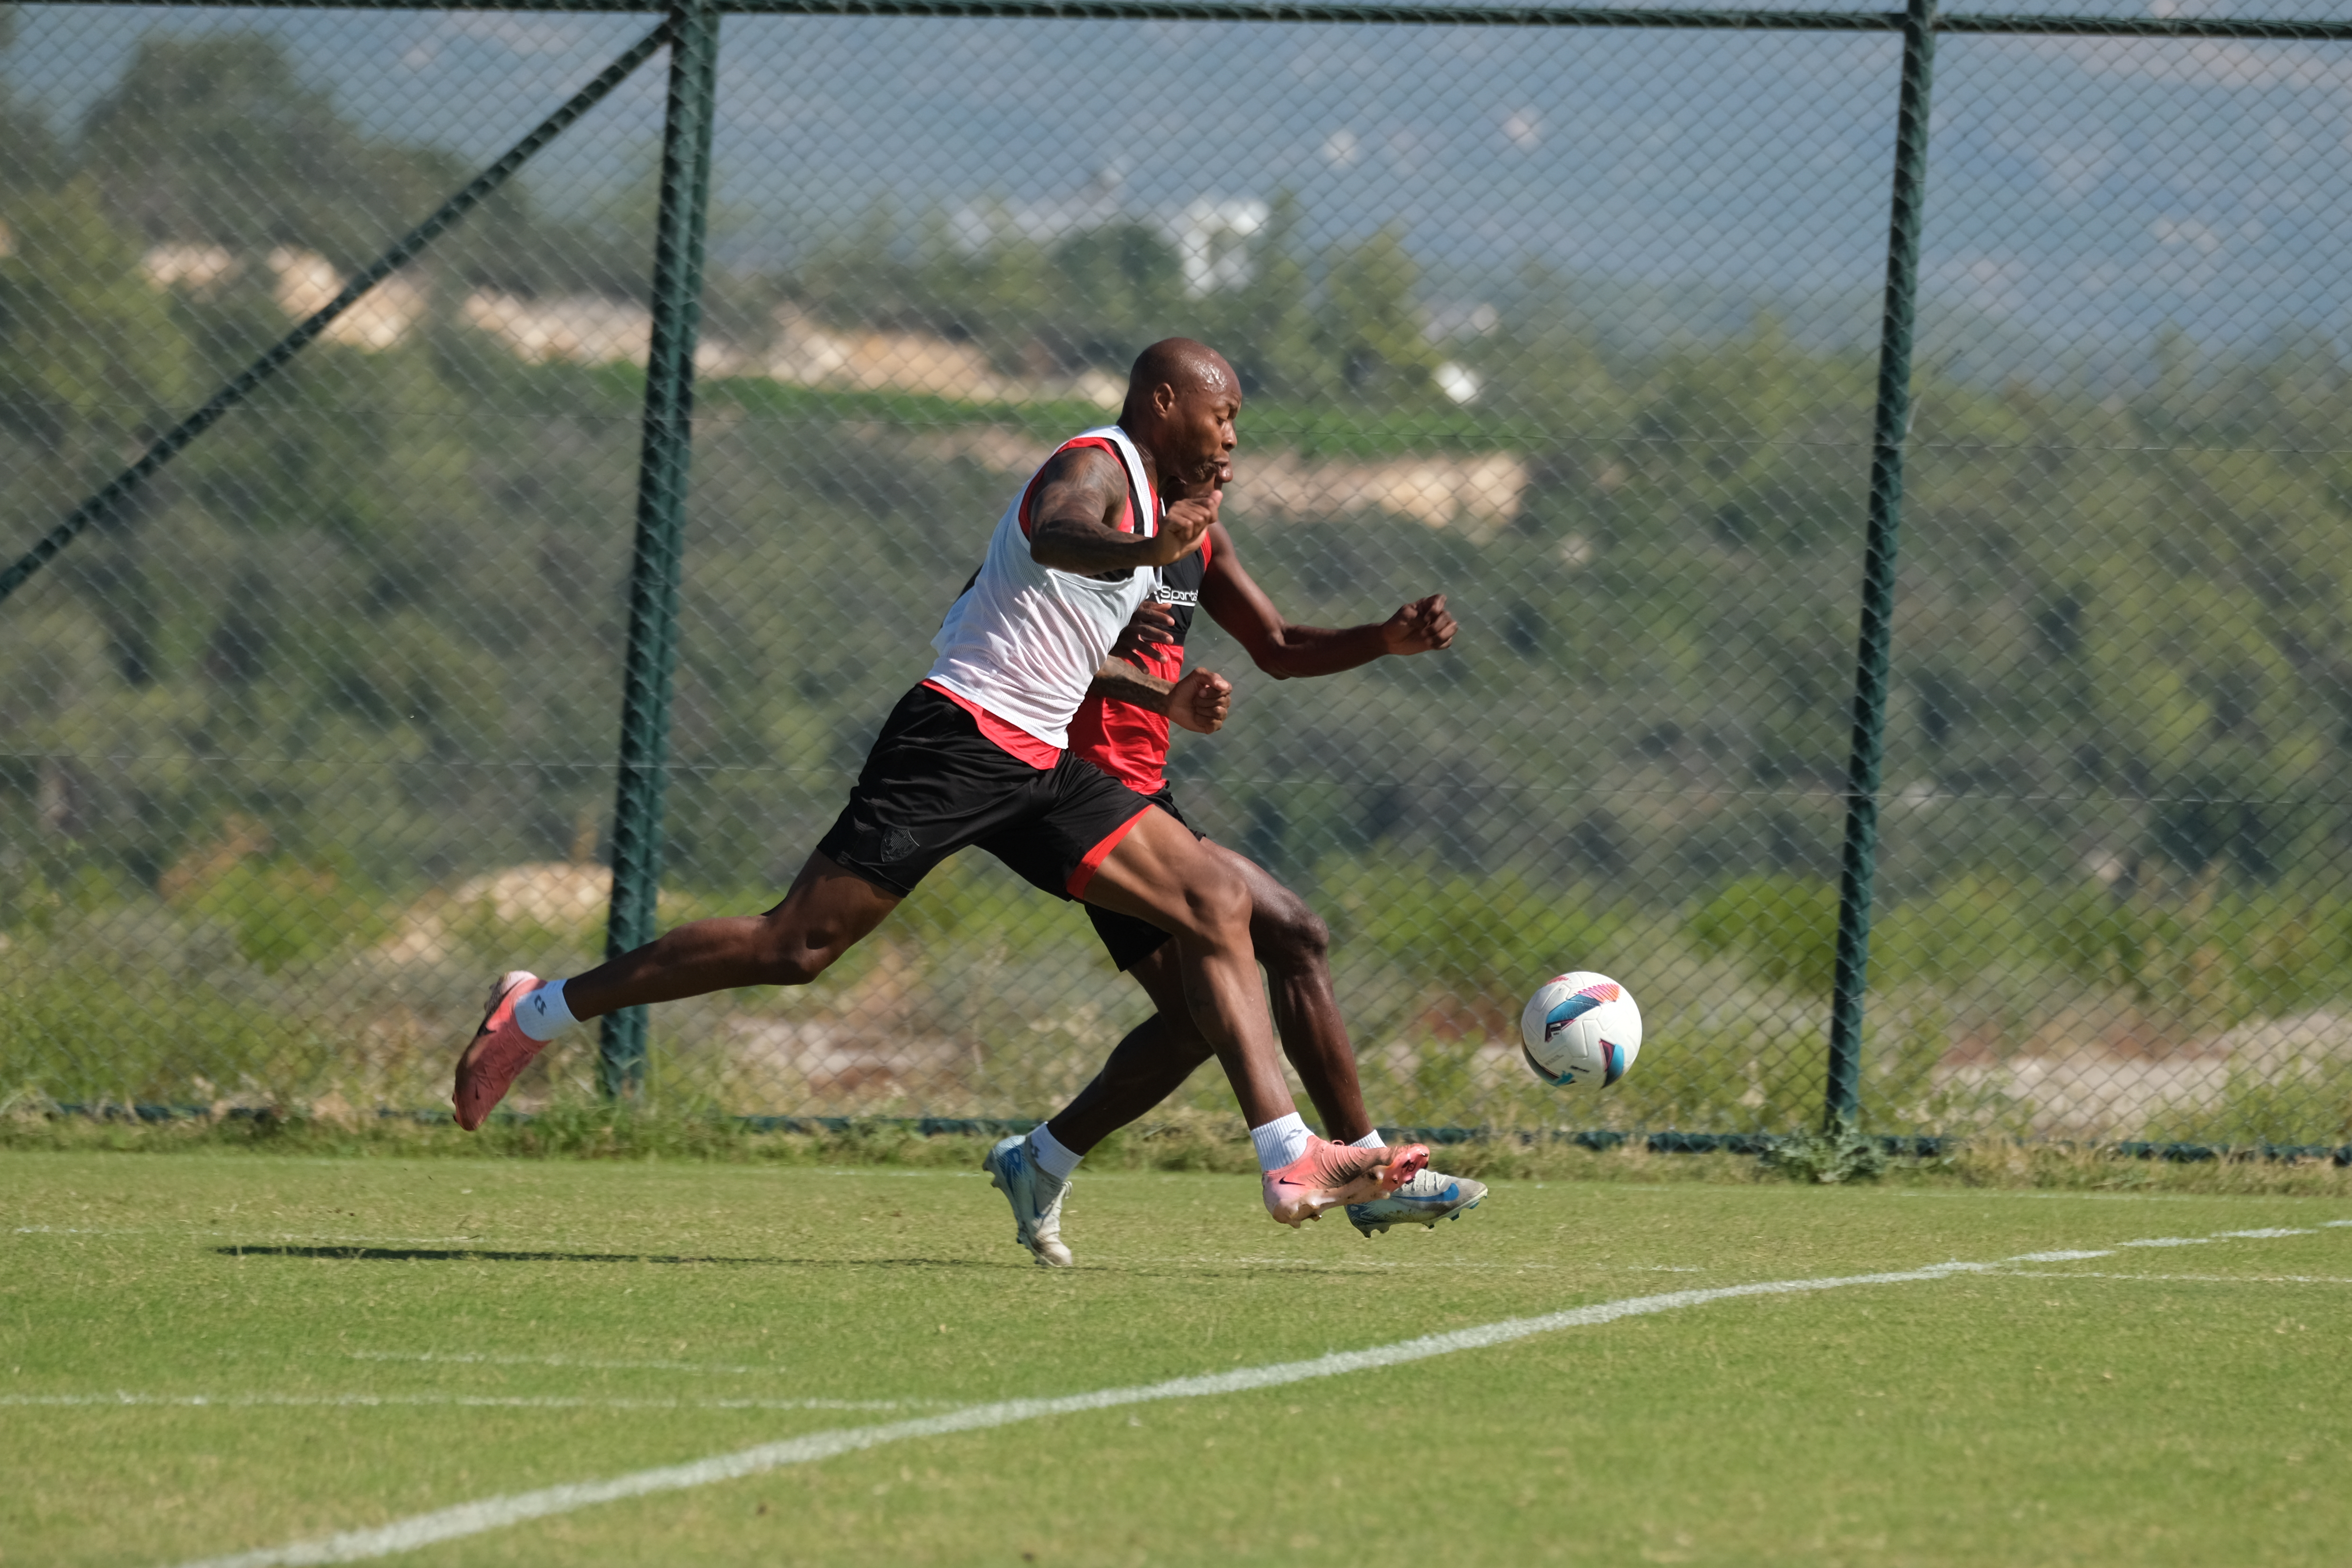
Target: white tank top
(1024, 641)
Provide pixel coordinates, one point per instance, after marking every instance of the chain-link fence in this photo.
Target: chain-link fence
(313, 729)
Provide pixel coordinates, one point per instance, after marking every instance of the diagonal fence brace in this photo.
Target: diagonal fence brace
(402, 252)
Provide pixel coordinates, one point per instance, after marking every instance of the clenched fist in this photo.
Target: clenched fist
(1201, 701)
(1419, 627)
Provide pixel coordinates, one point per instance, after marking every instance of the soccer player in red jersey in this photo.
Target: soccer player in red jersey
(1123, 729)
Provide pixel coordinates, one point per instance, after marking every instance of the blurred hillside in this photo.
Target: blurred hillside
(359, 647)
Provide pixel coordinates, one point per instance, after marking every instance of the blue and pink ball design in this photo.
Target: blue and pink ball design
(1580, 1030)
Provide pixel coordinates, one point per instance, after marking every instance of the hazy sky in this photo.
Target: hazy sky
(2079, 187)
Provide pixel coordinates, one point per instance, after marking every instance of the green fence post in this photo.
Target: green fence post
(1858, 865)
(654, 569)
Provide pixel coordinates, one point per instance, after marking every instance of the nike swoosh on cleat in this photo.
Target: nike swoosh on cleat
(1453, 1191)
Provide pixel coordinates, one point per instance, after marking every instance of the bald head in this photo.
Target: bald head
(1183, 367)
(1181, 401)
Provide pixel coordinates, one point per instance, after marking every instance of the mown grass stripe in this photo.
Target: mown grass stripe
(458, 1401)
(574, 1363)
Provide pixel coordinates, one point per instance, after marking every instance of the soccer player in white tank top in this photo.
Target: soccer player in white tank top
(949, 770)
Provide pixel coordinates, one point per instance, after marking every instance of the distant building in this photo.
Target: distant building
(381, 319)
(803, 354)
(1455, 322)
(581, 329)
(1213, 239)
(1458, 381)
(199, 268)
(977, 227)
(1211, 235)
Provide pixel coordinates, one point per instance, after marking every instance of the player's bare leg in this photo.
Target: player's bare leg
(1153, 1061)
(1159, 1054)
(1159, 872)
(827, 911)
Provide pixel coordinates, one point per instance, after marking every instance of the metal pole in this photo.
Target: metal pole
(664, 457)
(170, 444)
(1858, 865)
(1379, 13)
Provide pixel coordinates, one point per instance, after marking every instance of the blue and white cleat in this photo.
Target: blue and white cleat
(1035, 1197)
(1429, 1197)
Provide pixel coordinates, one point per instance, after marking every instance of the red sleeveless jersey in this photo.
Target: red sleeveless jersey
(1128, 742)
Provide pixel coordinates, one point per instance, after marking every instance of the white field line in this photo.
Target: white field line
(994, 1415)
(1434, 1266)
(494, 1513)
(461, 1401)
(2199, 1279)
(498, 1512)
(2265, 1235)
(122, 1398)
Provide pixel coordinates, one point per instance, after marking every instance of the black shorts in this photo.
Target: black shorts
(934, 784)
(1130, 939)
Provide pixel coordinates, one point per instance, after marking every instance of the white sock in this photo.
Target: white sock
(544, 1013)
(1371, 1139)
(1281, 1141)
(1053, 1157)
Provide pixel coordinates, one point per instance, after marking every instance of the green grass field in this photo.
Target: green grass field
(207, 1355)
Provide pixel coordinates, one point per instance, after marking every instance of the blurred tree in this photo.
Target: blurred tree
(218, 141)
(1113, 289)
(91, 365)
(858, 277)
(1267, 325)
(1370, 323)
(89, 352)
(30, 156)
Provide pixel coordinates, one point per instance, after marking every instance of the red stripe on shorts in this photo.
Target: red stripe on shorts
(1084, 874)
(1009, 738)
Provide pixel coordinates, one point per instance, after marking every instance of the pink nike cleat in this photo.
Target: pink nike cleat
(497, 1053)
(1330, 1175)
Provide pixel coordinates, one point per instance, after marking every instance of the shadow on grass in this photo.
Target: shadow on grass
(349, 1253)
(488, 1255)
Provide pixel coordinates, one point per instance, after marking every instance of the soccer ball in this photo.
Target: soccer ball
(1580, 1030)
